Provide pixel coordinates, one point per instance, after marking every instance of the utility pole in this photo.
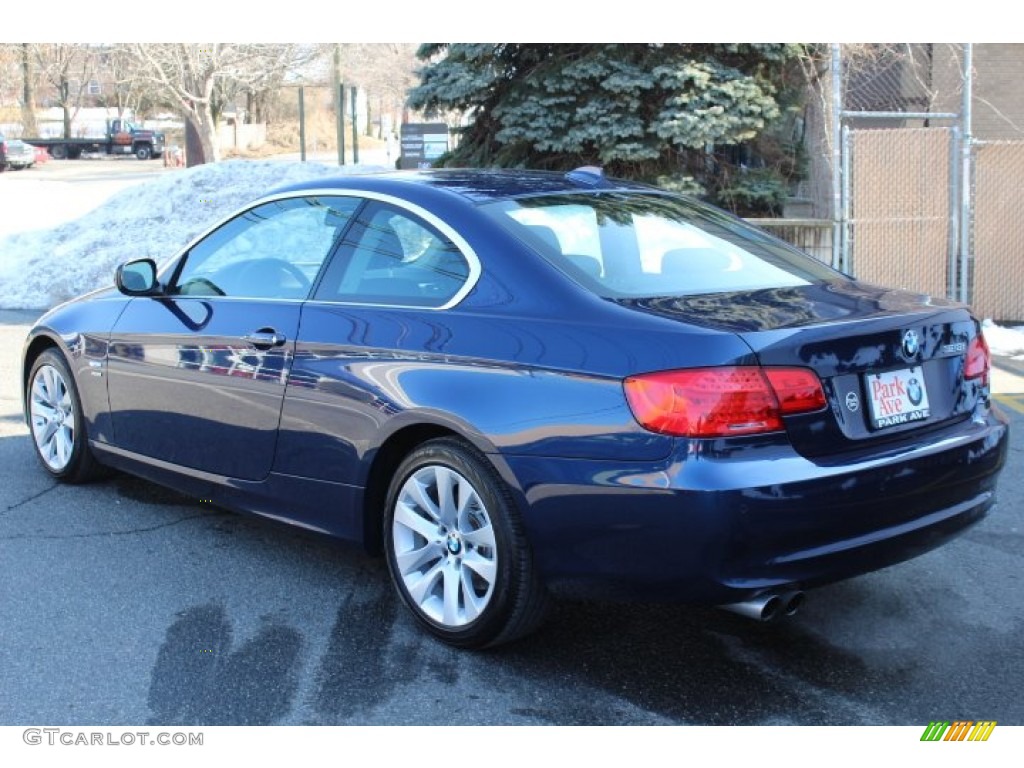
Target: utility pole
(355, 129)
(302, 122)
(838, 256)
(341, 121)
(339, 102)
(966, 137)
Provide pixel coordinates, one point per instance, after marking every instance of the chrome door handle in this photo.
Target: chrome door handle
(264, 339)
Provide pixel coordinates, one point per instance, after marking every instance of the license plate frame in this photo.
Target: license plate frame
(897, 397)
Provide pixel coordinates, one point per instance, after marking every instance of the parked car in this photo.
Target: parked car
(15, 154)
(517, 382)
(19, 154)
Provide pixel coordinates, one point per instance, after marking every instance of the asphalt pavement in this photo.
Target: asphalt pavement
(124, 603)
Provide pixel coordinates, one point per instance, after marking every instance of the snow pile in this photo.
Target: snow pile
(42, 268)
(1004, 341)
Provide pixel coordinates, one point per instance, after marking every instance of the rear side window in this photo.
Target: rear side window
(392, 257)
(623, 245)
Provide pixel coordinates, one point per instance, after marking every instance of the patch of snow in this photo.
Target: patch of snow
(39, 269)
(1004, 341)
(37, 204)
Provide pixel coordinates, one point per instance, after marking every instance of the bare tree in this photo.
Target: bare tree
(385, 71)
(9, 76)
(124, 87)
(28, 98)
(68, 67)
(199, 77)
(19, 82)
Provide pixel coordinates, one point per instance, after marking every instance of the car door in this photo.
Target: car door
(372, 325)
(196, 376)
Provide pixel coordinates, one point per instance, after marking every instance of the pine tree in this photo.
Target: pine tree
(642, 111)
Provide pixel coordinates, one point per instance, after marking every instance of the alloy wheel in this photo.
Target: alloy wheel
(53, 417)
(444, 546)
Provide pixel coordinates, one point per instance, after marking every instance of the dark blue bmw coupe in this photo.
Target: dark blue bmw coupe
(516, 381)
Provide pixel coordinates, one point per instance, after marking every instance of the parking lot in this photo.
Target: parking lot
(52, 193)
(126, 603)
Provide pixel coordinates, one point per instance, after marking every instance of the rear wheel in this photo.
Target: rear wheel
(59, 152)
(456, 549)
(55, 418)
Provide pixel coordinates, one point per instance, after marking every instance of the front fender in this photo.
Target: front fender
(80, 330)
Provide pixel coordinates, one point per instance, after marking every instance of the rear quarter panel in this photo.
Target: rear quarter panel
(361, 374)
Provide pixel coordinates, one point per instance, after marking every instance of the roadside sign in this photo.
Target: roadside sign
(422, 143)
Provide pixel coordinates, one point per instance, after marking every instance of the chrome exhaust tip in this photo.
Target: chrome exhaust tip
(762, 608)
(792, 602)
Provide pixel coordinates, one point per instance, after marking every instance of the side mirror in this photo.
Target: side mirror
(138, 278)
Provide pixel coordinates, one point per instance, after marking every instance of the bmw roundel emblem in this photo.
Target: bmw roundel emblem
(911, 344)
(915, 392)
(852, 401)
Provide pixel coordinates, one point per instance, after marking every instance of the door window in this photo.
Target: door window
(272, 251)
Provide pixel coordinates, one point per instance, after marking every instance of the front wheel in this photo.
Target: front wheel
(143, 153)
(56, 420)
(456, 548)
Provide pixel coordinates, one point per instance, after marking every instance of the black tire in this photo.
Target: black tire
(59, 152)
(479, 612)
(52, 389)
(143, 152)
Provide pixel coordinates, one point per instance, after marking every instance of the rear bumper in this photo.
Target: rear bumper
(711, 525)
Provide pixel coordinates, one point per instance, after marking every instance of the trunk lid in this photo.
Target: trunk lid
(891, 362)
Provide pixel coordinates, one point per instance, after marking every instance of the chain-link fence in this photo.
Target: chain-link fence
(917, 195)
(998, 277)
(813, 236)
(900, 205)
(923, 190)
(893, 77)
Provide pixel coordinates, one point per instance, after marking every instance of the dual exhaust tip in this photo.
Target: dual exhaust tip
(768, 607)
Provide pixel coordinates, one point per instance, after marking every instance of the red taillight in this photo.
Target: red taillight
(978, 360)
(718, 402)
(798, 389)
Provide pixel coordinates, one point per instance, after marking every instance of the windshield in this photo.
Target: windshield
(641, 245)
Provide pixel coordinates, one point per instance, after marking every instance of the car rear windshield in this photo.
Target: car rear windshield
(641, 245)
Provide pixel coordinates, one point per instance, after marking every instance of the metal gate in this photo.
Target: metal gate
(901, 207)
(998, 247)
